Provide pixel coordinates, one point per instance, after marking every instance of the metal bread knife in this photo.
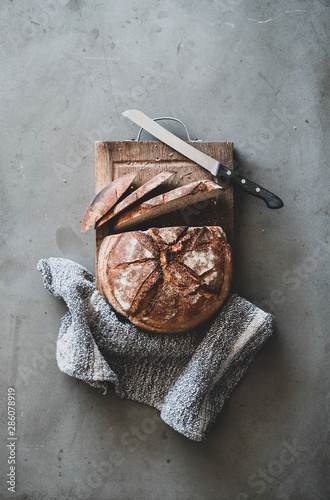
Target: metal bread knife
(216, 168)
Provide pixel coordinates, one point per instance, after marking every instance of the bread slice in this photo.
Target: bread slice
(105, 199)
(168, 202)
(166, 280)
(139, 193)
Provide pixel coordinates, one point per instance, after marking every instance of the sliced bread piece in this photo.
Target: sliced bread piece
(175, 199)
(106, 199)
(139, 193)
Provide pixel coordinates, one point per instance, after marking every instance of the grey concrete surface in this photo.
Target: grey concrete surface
(256, 73)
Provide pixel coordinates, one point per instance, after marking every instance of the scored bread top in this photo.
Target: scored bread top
(166, 280)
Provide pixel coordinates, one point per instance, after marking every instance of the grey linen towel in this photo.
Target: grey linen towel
(187, 376)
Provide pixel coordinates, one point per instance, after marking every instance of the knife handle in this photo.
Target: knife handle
(225, 174)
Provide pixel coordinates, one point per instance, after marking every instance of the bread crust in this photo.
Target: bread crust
(166, 280)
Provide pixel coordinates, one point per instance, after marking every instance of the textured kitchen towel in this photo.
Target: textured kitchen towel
(187, 376)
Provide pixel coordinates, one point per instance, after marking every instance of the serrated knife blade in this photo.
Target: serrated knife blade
(216, 168)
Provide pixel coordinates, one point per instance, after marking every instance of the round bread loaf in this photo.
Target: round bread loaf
(166, 280)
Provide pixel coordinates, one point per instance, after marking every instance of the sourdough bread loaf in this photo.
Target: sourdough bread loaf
(166, 280)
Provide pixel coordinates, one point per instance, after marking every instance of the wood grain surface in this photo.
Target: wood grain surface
(148, 158)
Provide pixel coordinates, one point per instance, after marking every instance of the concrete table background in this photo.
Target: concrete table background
(256, 73)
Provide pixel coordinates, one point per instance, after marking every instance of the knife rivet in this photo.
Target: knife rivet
(243, 181)
(228, 172)
(258, 190)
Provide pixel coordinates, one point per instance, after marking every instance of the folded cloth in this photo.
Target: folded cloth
(187, 376)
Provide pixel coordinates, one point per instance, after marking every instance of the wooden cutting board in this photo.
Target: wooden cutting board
(148, 158)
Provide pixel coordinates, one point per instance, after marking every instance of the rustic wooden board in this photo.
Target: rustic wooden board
(148, 158)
